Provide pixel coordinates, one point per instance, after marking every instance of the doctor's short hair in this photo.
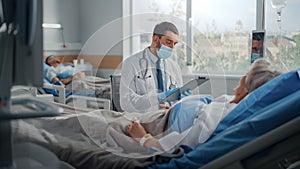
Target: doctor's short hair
(260, 73)
(258, 36)
(162, 27)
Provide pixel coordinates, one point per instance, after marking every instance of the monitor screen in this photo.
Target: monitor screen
(257, 50)
(28, 63)
(22, 36)
(21, 59)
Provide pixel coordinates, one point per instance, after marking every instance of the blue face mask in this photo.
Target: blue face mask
(164, 52)
(255, 56)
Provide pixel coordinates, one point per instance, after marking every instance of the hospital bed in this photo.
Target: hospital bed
(279, 148)
(59, 95)
(261, 131)
(87, 99)
(115, 92)
(256, 143)
(27, 154)
(21, 91)
(62, 96)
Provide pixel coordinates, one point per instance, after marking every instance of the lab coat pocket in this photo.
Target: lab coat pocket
(142, 85)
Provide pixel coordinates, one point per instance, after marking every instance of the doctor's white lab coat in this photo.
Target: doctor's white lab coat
(138, 93)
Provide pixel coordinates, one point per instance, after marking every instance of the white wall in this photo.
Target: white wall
(83, 18)
(98, 15)
(101, 29)
(66, 13)
(89, 27)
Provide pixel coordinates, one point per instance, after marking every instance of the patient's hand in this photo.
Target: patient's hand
(136, 130)
(163, 106)
(79, 75)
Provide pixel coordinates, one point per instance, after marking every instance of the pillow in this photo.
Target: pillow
(276, 89)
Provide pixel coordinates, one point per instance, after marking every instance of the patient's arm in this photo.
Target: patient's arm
(137, 131)
(153, 142)
(67, 80)
(64, 81)
(79, 75)
(70, 78)
(55, 79)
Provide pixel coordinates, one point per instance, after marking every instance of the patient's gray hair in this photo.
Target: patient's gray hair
(260, 72)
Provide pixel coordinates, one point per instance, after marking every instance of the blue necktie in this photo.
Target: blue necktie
(159, 76)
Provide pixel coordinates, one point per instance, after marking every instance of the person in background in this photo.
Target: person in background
(151, 75)
(257, 46)
(205, 120)
(58, 72)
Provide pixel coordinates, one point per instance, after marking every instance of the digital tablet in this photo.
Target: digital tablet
(189, 85)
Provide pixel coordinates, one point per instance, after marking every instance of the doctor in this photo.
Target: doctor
(151, 75)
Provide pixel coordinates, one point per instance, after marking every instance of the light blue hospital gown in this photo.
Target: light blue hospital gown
(194, 121)
(61, 70)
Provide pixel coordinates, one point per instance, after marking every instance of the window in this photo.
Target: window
(219, 32)
(221, 36)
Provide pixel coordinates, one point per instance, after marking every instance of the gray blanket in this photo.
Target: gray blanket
(95, 139)
(90, 85)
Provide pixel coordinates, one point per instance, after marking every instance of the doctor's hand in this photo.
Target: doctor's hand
(167, 93)
(188, 92)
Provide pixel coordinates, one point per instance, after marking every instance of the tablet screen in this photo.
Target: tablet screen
(192, 84)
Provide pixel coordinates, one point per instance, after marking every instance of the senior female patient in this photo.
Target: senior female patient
(206, 119)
